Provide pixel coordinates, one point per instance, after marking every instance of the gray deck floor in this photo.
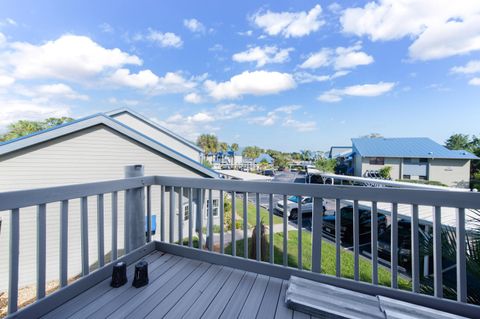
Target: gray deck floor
(184, 288)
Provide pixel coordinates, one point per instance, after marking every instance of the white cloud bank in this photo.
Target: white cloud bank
(262, 56)
(289, 24)
(470, 68)
(17, 109)
(194, 25)
(439, 28)
(167, 39)
(474, 81)
(364, 90)
(340, 58)
(250, 83)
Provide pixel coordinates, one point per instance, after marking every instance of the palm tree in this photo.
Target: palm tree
(224, 148)
(209, 143)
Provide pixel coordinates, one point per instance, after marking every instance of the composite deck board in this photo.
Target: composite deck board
(104, 299)
(184, 288)
(270, 299)
(102, 288)
(254, 299)
(235, 305)
(283, 312)
(187, 277)
(184, 301)
(198, 308)
(175, 273)
(218, 304)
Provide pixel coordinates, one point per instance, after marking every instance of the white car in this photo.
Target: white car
(292, 206)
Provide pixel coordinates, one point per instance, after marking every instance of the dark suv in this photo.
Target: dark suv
(346, 223)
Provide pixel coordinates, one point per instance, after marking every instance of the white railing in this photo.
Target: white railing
(196, 190)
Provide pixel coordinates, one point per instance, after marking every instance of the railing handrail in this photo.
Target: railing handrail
(31, 197)
(392, 195)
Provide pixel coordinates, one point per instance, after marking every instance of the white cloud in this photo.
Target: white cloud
(262, 56)
(6, 80)
(167, 39)
(247, 33)
(273, 116)
(255, 83)
(193, 125)
(440, 28)
(59, 90)
(289, 24)
(70, 57)
(300, 126)
(364, 90)
(470, 68)
(14, 110)
(340, 58)
(140, 80)
(193, 97)
(8, 22)
(194, 25)
(106, 28)
(474, 81)
(305, 77)
(3, 39)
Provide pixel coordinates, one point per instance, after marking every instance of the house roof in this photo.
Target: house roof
(117, 112)
(414, 147)
(336, 151)
(102, 119)
(264, 156)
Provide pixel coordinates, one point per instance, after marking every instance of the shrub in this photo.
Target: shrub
(385, 172)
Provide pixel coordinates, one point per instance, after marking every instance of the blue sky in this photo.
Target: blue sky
(287, 75)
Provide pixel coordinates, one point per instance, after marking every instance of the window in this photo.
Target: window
(406, 176)
(377, 161)
(423, 178)
(307, 200)
(214, 207)
(424, 160)
(186, 211)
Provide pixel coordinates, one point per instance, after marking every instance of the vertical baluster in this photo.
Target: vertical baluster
(162, 213)
(100, 231)
(114, 225)
(270, 223)
(317, 225)
(171, 228)
(149, 213)
(285, 230)
(222, 212)
(356, 248)
(180, 216)
(258, 242)
(84, 236)
(338, 232)
(234, 221)
(461, 257)
(126, 225)
(374, 242)
(63, 262)
(394, 245)
(299, 227)
(415, 251)
(41, 249)
(190, 217)
(200, 217)
(437, 252)
(245, 225)
(210, 220)
(13, 260)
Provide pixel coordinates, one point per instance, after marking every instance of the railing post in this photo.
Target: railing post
(134, 211)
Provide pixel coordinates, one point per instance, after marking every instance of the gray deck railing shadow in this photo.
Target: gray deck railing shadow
(199, 190)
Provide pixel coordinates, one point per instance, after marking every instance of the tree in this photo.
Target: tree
(25, 127)
(252, 152)
(326, 165)
(281, 161)
(208, 142)
(372, 135)
(234, 149)
(306, 155)
(223, 147)
(458, 142)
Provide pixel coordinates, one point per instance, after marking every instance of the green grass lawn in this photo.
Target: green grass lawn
(328, 259)
(252, 214)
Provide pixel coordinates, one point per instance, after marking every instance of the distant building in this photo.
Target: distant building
(339, 151)
(264, 157)
(412, 158)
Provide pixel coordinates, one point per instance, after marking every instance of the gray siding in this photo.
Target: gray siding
(95, 154)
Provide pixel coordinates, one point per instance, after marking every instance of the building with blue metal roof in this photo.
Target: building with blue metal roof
(412, 158)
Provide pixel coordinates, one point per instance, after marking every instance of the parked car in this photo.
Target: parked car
(346, 224)
(269, 172)
(292, 206)
(404, 243)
